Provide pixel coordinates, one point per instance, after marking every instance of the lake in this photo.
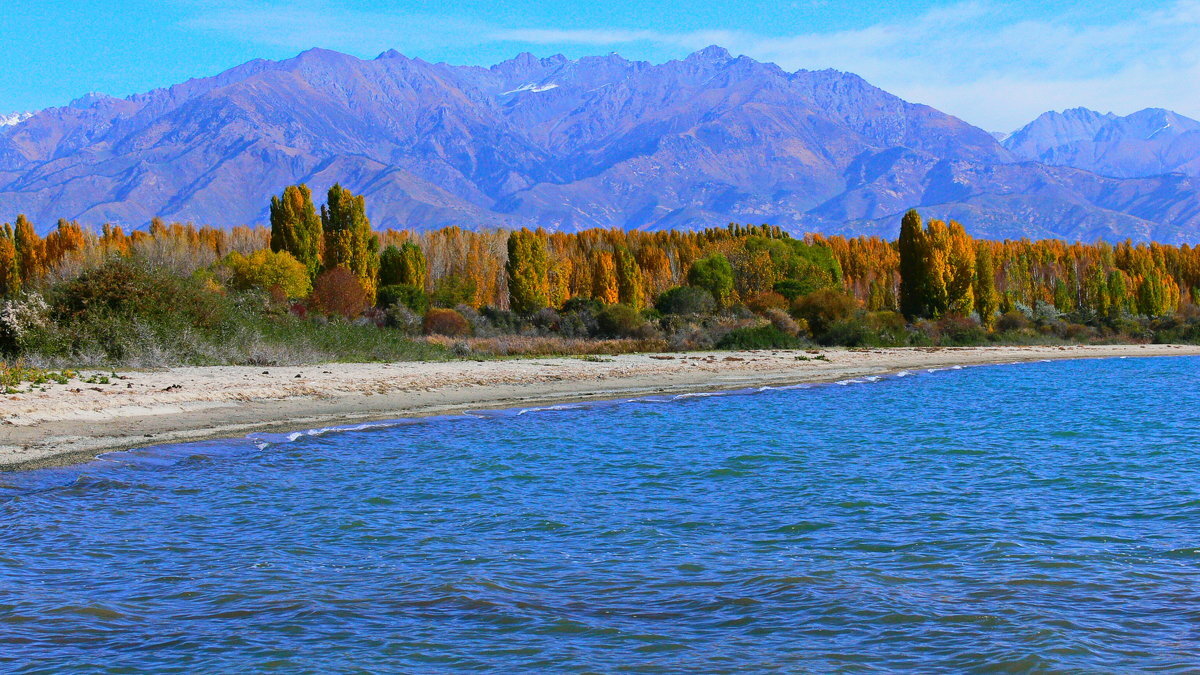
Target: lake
(1031, 517)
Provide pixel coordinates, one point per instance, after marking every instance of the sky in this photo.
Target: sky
(996, 64)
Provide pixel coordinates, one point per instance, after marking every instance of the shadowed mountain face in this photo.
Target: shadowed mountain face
(1147, 143)
(563, 144)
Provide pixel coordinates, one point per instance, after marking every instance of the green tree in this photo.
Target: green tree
(715, 275)
(405, 265)
(349, 241)
(527, 268)
(911, 245)
(296, 228)
(987, 299)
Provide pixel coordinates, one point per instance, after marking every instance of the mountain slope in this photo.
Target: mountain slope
(563, 144)
(1150, 142)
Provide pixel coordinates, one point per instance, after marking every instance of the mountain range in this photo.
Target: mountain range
(596, 142)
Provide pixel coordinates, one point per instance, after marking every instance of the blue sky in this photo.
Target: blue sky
(994, 63)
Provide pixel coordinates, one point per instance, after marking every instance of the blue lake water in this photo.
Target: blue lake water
(1012, 518)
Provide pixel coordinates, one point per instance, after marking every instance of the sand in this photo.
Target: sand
(75, 422)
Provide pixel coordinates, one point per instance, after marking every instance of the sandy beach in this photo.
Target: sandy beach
(74, 422)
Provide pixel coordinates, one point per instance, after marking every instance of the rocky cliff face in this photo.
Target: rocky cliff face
(563, 144)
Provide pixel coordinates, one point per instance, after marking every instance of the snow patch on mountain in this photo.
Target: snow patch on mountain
(535, 88)
(13, 119)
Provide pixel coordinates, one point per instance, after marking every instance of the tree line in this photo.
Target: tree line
(934, 269)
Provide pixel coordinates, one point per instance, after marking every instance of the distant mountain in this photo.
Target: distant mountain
(13, 119)
(1147, 143)
(559, 143)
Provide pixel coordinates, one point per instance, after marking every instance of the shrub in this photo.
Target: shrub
(410, 296)
(125, 288)
(959, 331)
(760, 303)
(339, 292)
(446, 322)
(404, 319)
(686, 300)
(502, 321)
(265, 269)
(785, 323)
(579, 304)
(20, 318)
(760, 337)
(888, 329)
(619, 321)
(823, 308)
(1012, 320)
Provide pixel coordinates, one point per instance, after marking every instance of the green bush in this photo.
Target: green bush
(619, 321)
(411, 297)
(686, 301)
(760, 337)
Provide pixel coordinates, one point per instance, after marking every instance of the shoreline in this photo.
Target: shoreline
(74, 423)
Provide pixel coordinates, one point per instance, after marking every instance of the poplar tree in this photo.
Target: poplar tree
(629, 278)
(605, 287)
(936, 252)
(30, 254)
(10, 277)
(296, 227)
(986, 300)
(961, 271)
(405, 265)
(349, 241)
(527, 269)
(912, 247)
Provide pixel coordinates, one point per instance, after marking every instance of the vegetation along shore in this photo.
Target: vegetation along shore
(321, 285)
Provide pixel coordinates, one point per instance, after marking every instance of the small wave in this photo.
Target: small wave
(904, 373)
(551, 408)
(697, 394)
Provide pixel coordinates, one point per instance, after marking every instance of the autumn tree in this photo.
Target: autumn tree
(10, 276)
(270, 271)
(629, 278)
(604, 278)
(960, 269)
(527, 268)
(296, 227)
(30, 251)
(349, 241)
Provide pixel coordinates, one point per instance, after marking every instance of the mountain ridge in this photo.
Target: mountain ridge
(565, 144)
